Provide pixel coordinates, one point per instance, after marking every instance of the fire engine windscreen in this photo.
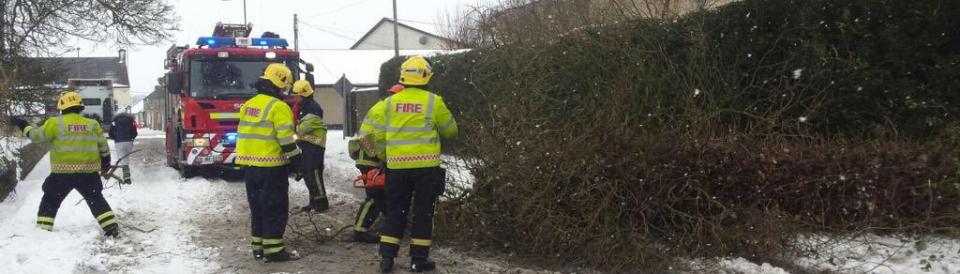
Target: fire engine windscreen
(224, 79)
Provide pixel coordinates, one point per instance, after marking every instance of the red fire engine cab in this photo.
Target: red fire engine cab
(206, 86)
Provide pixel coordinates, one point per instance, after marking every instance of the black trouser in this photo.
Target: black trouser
(267, 195)
(312, 168)
(423, 185)
(56, 188)
(372, 207)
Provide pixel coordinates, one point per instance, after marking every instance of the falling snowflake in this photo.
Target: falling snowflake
(803, 119)
(797, 73)
(696, 92)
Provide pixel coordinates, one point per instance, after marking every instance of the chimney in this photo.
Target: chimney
(122, 55)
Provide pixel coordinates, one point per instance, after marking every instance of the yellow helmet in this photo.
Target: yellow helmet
(416, 71)
(69, 99)
(279, 75)
(302, 88)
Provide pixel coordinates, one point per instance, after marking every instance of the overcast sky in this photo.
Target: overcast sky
(325, 24)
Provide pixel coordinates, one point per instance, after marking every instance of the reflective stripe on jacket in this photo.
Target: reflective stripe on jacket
(409, 124)
(78, 143)
(311, 129)
(265, 131)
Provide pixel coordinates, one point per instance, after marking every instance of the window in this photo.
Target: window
(224, 79)
(91, 102)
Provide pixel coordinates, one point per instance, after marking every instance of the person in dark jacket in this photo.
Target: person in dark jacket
(123, 132)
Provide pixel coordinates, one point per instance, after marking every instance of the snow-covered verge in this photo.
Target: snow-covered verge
(864, 254)
(156, 226)
(9, 146)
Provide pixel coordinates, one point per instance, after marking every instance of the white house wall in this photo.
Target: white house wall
(382, 38)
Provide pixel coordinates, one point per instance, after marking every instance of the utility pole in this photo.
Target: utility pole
(296, 33)
(244, 10)
(396, 32)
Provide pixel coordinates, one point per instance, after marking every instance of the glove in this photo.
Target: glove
(104, 165)
(20, 123)
(296, 162)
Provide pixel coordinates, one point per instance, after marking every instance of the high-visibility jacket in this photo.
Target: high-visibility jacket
(265, 134)
(369, 152)
(78, 143)
(365, 150)
(409, 124)
(312, 130)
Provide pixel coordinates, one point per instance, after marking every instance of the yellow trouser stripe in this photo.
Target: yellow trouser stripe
(420, 242)
(363, 215)
(104, 215)
(45, 227)
(272, 250)
(271, 246)
(107, 223)
(45, 219)
(389, 240)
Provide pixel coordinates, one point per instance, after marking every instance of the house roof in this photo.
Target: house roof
(87, 68)
(361, 67)
(386, 20)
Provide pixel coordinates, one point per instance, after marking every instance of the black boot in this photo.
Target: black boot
(282, 256)
(322, 205)
(386, 264)
(421, 265)
(112, 231)
(365, 237)
(258, 255)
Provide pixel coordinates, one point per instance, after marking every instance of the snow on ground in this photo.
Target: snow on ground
(159, 203)
(10, 145)
(146, 133)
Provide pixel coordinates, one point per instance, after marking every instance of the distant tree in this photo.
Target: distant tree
(47, 28)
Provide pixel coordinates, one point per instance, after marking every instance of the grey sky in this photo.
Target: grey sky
(327, 24)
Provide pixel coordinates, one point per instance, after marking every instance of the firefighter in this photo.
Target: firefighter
(78, 151)
(123, 132)
(409, 124)
(311, 138)
(367, 153)
(266, 149)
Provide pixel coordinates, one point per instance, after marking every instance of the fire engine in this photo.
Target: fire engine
(207, 84)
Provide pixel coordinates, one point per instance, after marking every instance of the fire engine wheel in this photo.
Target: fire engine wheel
(187, 171)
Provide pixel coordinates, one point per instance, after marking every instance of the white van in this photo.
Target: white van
(97, 97)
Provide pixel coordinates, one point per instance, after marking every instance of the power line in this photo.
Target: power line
(347, 6)
(339, 35)
(328, 31)
(423, 22)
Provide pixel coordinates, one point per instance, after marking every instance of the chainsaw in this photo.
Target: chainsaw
(113, 168)
(371, 179)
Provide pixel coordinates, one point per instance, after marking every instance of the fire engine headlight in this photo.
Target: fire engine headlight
(270, 55)
(198, 142)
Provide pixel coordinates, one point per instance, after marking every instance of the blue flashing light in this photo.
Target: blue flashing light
(231, 42)
(231, 137)
(270, 42)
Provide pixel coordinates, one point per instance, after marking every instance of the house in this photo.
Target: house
(380, 37)
(113, 68)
